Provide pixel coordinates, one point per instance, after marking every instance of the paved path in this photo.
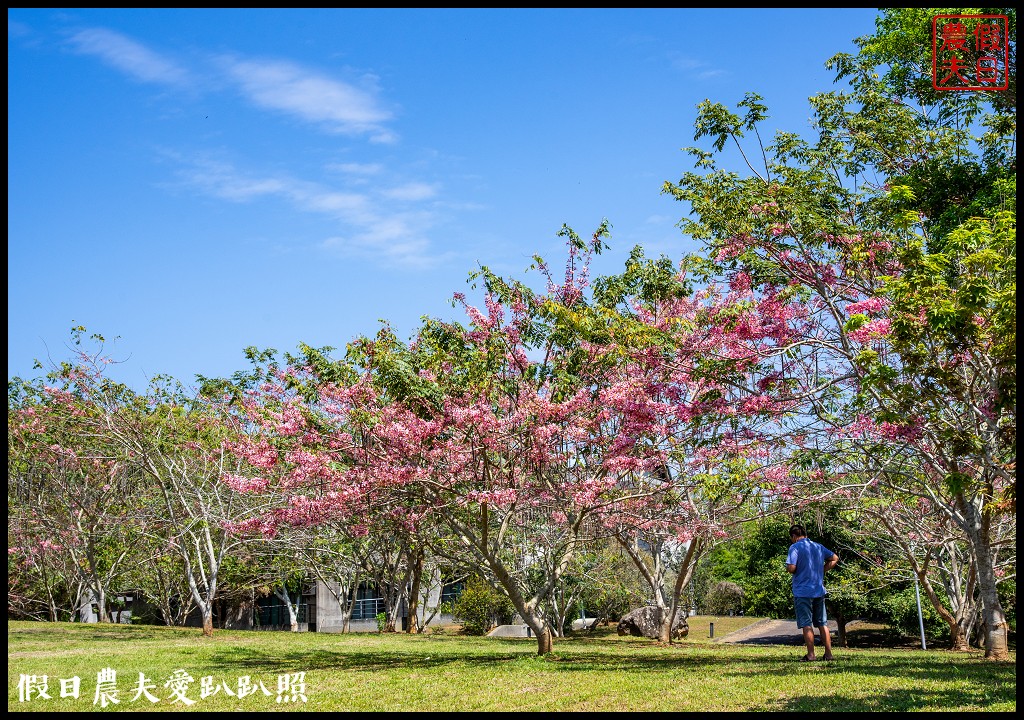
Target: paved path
(771, 632)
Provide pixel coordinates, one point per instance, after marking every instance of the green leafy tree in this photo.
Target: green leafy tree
(906, 307)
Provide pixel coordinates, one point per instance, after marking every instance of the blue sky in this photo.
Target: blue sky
(193, 182)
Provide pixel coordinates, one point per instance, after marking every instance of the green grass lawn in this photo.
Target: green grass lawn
(450, 672)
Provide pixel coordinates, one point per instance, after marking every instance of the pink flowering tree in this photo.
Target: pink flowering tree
(906, 344)
(187, 453)
(940, 558)
(172, 446)
(293, 456)
(696, 403)
(491, 431)
(43, 581)
(71, 491)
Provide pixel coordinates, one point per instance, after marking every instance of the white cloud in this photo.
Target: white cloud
(411, 191)
(16, 29)
(681, 62)
(223, 181)
(128, 56)
(393, 240)
(698, 69)
(707, 74)
(291, 89)
(372, 228)
(331, 202)
(275, 85)
(357, 168)
(661, 219)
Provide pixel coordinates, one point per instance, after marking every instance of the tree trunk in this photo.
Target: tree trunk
(996, 629)
(840, 617)
(293, 619)
(168, 613)
(958, 638)
(207, 610)
(393, 611)
(545, 643)
(101, 603)
(414, 593)
(527, 611)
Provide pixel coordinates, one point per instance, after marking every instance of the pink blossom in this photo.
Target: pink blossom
(868, 305)
(244, 484)
(871, 330)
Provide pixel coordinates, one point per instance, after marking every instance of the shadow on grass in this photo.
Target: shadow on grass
(973, 682)
(902, 700)
(53, 633)
(998, 677)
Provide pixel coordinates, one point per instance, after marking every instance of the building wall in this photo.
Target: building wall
(329, 616)
(89, 611)
(319, 611)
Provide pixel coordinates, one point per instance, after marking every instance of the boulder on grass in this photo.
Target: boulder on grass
(645, 622)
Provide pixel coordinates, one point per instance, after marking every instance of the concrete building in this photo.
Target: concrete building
(318, 610)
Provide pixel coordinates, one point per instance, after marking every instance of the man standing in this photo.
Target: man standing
(807, 562)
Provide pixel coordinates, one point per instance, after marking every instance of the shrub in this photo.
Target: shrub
(480, 607)
(900, 612)
(724, 598)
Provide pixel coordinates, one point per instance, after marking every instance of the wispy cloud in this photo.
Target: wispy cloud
(708, 74)
(391, 240)
(277, 85)
(694, 68)
(352, 168)
(16, 29)
(371, 214)
(411, 191)
(294, 90)
(369, 224)
(661, 219)
(128, 56)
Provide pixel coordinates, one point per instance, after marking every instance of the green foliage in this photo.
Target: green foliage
(901, 46)
(1008, 598)
(756, 562)
(898, 608)
(724, 598)
(903, 199)
(382, 621)
(649, 281)
(769, 592)
(769, 588)
(479, 607)
(613, 584)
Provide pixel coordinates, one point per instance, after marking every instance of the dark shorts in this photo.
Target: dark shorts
(810, 611)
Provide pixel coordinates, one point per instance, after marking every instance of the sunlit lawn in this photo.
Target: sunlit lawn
(449, 672)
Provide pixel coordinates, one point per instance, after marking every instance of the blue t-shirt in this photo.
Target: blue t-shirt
(809, 558)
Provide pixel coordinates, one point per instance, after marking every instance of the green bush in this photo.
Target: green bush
(609, 603)
(900, 612)
(725, 598)
(480, 607)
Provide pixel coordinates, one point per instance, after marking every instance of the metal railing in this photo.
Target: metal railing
(367, 608)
